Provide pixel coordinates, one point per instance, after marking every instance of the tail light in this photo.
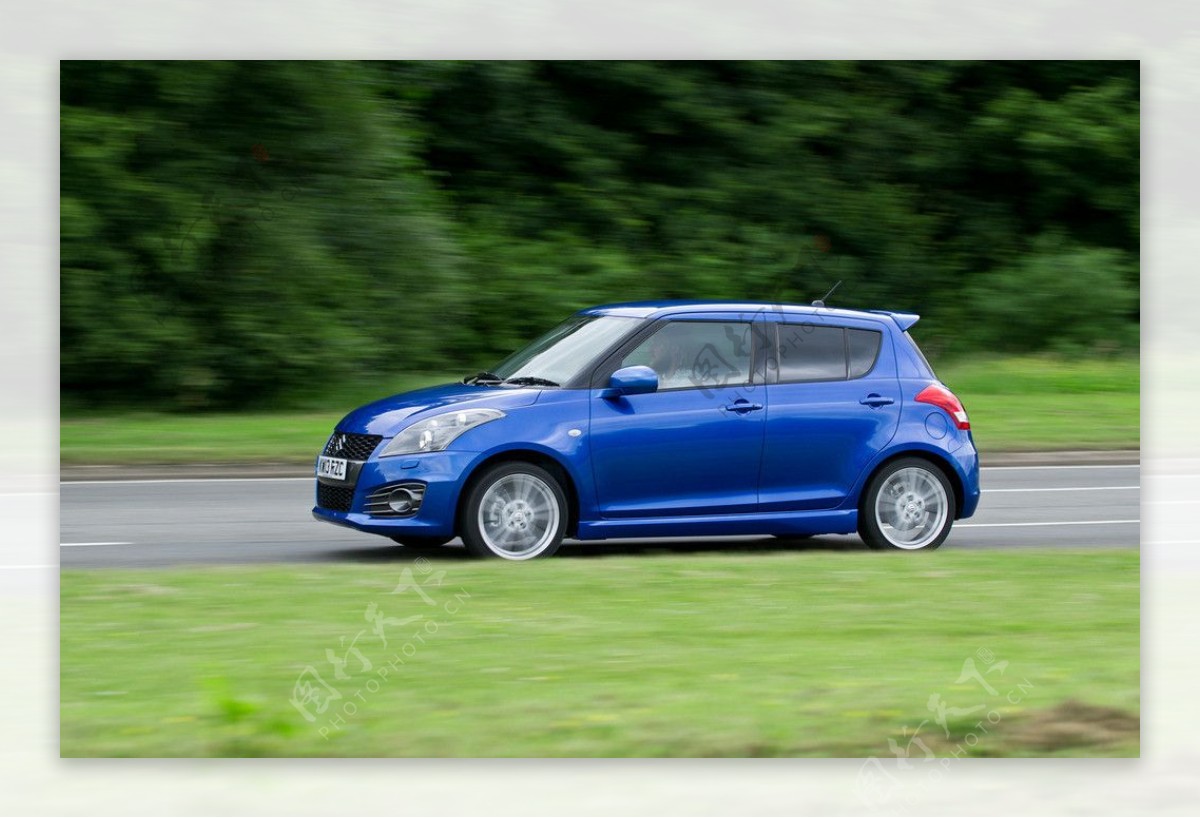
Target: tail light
(943, 398)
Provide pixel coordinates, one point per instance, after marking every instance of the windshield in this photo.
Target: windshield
(564, 352)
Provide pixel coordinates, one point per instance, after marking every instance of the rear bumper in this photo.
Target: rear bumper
(966, 461)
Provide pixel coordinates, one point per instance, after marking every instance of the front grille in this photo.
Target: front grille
(334, 498)
(351, 446)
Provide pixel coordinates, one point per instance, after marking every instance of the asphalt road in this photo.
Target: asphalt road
(138, 523)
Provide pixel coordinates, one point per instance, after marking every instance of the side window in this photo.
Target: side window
(696, 354)
(862, 345)
(811, 353)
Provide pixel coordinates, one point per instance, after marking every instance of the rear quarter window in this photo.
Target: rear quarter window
(862, 348)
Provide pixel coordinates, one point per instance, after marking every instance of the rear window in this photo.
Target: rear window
(812, 353)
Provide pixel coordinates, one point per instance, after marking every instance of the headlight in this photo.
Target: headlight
(436, 433)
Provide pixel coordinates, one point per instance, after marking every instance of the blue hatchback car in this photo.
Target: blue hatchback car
(667, 419)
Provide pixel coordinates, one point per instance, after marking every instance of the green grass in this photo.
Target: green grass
(283, 437)
(1037, 403)
(158, 439)
(797, 654)
(1015, 404)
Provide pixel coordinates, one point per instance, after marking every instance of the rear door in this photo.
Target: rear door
(833, 404)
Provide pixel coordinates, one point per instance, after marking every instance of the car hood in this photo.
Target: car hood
(389, 415)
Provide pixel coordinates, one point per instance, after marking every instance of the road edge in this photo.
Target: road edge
(203, 471)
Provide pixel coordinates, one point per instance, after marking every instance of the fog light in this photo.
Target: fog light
(401, 501)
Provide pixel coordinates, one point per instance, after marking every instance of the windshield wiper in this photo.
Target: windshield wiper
(483, 377)
(526, 380)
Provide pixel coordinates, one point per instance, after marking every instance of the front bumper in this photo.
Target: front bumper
(441, 473)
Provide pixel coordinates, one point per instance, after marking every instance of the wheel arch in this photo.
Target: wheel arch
(935, 458)
(537, 457)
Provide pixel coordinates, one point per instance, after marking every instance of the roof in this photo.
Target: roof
(658, 309)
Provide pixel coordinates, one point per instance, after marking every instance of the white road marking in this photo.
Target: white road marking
(1066, 522)
(313, 477)
(1081, 466)
(186, 480)
(1067, 488)
(83, 544)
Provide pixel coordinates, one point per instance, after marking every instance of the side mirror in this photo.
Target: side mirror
(631, 380)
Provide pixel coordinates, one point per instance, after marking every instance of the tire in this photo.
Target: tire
(421, 543)
(908, 506)
(514, 511)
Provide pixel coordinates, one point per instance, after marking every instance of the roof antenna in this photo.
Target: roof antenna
(820, 302)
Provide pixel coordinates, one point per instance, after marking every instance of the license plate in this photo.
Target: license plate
(333, 467)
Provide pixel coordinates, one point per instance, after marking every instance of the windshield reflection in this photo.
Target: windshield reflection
(564, 352)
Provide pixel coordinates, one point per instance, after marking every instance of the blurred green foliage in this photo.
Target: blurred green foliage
(232, 231)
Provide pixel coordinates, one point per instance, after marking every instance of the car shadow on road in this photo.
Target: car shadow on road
(592, 549)
(608, 548)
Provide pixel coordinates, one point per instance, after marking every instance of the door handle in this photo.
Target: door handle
(875, 399)
(741, 406)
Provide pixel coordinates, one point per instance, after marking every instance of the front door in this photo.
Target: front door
(693, 447)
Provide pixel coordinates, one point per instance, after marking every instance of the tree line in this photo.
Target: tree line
(232, 232)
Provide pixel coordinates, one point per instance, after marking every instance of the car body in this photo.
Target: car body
(681, 418)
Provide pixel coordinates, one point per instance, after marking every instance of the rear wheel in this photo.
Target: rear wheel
(909, 505)
(514, 511)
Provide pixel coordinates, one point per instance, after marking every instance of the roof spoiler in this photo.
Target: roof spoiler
(903, 319)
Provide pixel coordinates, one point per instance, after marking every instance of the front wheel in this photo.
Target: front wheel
(909, 505)
(514, 511)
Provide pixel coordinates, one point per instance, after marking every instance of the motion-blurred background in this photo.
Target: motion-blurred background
(251, 235)
(248, 250)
